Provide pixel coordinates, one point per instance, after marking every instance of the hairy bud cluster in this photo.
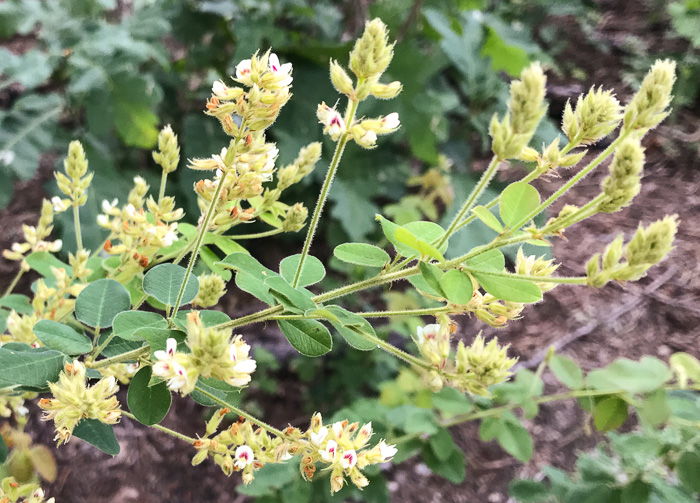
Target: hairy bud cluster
(74, 401)
(481, 365)
(525, 110)
(624, 181)
(168, 155)
(211, 288)
(213, 353)
(648, 247)
(596, 115)
(35, 238)
(650, 105)
(74, 185)
(12, 491)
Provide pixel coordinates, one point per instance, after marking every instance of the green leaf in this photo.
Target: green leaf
(453, 468)
(492, 260)
(312, 273)
(488, 218)
(350, 326)
(132, 102)
(220, 389)
(427, 232)
(126, 323)
(34, 367)
(457, 286)
(685, 366)
(406, 237)
(149, 404)
(62, 338)
(20, 303)
(517, 200)
(528, 491)
(3, 450)
(99, 303)
(515, 440)
(510, 289)
(98, 434)
(211, 260)
(293, 299)
(42, 262)
(610, 413)
(637, 491)
(432, 276)
(250, 275)
(164, 281)
(158, 337)
(567, 371)
(442, 444)
(451, 402)
(309, 337)
(654, 408)
(504, 57)
(421, 421)
(643, 376)
(362, 254)
(688, 468)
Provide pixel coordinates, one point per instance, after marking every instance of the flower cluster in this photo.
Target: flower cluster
(213, 353)
(624, 181)
(649, 106)
(595, 116)
(35, 238)
(12, 491)
(341, 448)
(369, 59)
(73, 400)
(74, 185)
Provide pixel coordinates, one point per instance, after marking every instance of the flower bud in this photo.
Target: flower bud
(168, 156)
(623, 183)
(211, 288)
(650, 245)
(75, 164)
(536, 266)
(485, 364)
(333, 122)
(596, 115)
(386, 91)
(295, 218)
(364, 138)
(649, 106)
(341, 80)
(372, 52)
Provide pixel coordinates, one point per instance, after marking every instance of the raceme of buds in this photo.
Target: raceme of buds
(481, 365)
(137, 195)
(295, 218)
(624, 181)
(211, 288)
(168, 156)
(649, 106)
(12, 491)
(372, 52)
(79, 264)
(525, 110)
(74, 401)
(536, 266)
(75, 185)
(596, 115)
(648, 247)
(35, 237)
(302, 166)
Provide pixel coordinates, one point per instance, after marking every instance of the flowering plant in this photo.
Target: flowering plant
(86, 322)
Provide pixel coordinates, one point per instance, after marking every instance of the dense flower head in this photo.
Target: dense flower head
(536, 266)
(481, 365)
(596, 115)
(650, 105)
(433, 342)
(624, 181)
(73, 400)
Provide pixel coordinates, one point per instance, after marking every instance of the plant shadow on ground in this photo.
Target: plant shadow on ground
(656, 316)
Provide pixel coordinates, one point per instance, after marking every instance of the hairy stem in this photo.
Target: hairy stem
(163, 181)
(78, 233)
(173, 433)
(332, 169)
(14, 282)
(265, 234)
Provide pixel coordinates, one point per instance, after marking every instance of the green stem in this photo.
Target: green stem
(582, 213)
(265, 234)
(205, 226)
(14, 282)
(573, 181)
(163, 181)
(78, 233)
(174, 433)
(241, 412)
(476, 193)
(320, 203)
(429, 311)
(129, 355)
(581, 280)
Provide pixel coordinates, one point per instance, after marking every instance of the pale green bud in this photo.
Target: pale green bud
(506, 144)
(551, 154)
(482, 365)
(536, 266)
(649, 106)
(526, 105)
(624, 181)
(169, 155)
(596, 115)
(341, 80)
(211, 288)
(295, 218)
(613, 253)
(571, 159)
(79, 264)
(593, 272)
(686, 368)
(75, 164)
(372, 52)
(650, 245)
(386, 91)
(137, 195)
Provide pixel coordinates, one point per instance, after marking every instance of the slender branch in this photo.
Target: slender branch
(428, 311)
(78, 233)
(241, 412)
(174, 433)
(14, 282)
(584, 212)
(476, 193)
(134, 354)
(163, 181)
(580, 280)
(320, 203)
(265, 234)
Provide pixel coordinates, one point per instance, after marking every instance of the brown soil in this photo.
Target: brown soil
(656, 316)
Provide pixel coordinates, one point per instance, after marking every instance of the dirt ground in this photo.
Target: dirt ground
(657, 315)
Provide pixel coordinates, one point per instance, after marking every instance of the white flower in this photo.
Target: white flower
(243, 72)
(6, 157)
(334, 124)
(239, 381)
(170, 349)
(59, 205)
(130, 210)
(244, 456)
(56, 245)
(178, 381)
(318, 438)
(245, 366)
(428, 332)
(391, 121)
(349, 459)
(366, 430)
(107, 207)
(386, 451)
(337, 429)
(282, 72)
(328, 454)
(169, 238)
(219, 89)
(103, 221)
